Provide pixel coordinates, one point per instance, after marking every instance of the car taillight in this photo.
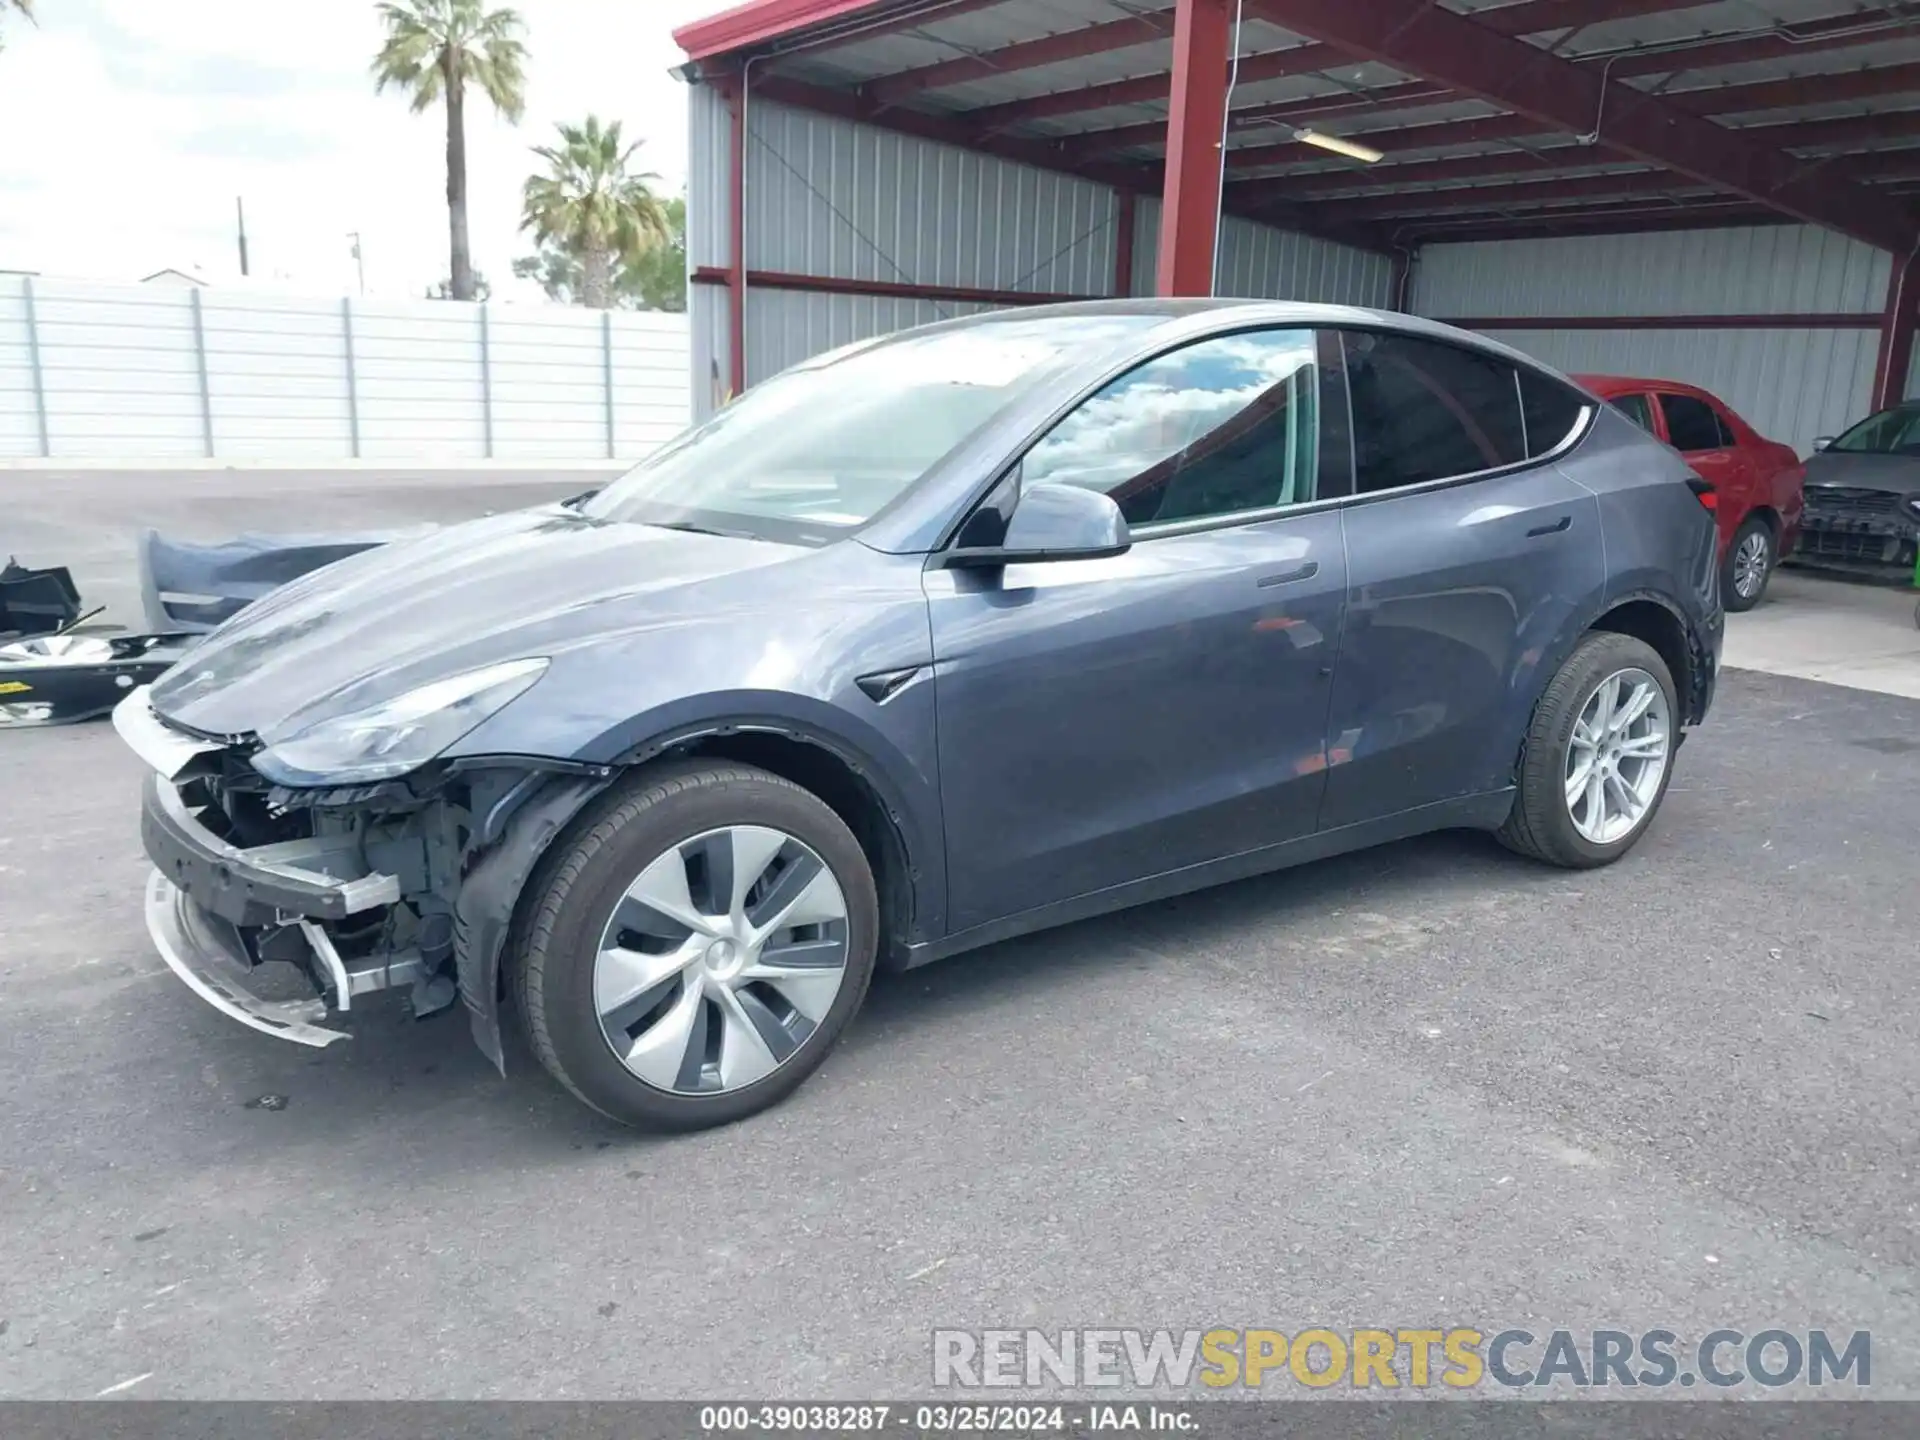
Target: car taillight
(1704, 492)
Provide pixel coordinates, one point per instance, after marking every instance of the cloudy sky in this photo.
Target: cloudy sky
(130, 126)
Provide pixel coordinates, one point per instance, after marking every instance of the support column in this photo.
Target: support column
(1401, 278)
(1126, 215)
(1896, 330)
(737, 236)
(1190, 212)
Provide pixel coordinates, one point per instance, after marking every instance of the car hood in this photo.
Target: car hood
(1898, 474)
(369, 628)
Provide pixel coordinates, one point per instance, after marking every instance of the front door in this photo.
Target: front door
(1465, 564)
(1103, 721)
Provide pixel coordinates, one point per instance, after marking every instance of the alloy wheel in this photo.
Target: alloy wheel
(1617, 756)
(720, 960)
(1750, 565)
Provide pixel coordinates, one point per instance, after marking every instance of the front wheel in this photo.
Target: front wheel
(699, 947)
(1597, 757)
(1748, 566)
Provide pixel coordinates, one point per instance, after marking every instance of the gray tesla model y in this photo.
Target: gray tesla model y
(924, 643)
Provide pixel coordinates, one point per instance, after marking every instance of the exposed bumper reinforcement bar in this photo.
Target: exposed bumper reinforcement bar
(311, 878)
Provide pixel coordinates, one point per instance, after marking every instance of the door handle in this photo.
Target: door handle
(1565, 522)
(1287, 577)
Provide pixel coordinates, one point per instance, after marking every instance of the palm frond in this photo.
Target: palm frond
(430, 42)
(588, 203)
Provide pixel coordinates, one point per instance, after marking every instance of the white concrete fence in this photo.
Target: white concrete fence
(156, 373)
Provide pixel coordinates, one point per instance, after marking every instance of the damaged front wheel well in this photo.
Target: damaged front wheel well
(850, 796)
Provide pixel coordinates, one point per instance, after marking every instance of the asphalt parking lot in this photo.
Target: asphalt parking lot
(1429, 1085)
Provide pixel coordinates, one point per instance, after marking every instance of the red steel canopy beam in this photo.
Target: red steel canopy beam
(1599, 220)
(1714, 100)
(1423, 203)
(1147, 89)
(1477, 131)
(1190, 204)
(1316, 185)
(1314, 107)
(1800, 90)
(767, 22)
(1430, 43)
(823, 100)
(1024, 55)
(1528, 17)
(1144, 29)
(1835, 32)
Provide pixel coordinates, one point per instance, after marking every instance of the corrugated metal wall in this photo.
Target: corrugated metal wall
(832, 198)
(1791, 383)
(165, 373)
(1260, 262)
(707, 206)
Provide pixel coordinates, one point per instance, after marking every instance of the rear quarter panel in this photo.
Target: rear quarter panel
(1661, 544)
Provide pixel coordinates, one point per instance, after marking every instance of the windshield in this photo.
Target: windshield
(822, 447)
(1891, 432)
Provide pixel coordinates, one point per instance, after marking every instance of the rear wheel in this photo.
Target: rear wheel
(1598, 755)
(699, 948)
(1749, 564)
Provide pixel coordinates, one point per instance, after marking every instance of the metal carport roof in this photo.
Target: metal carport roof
(1543, 117)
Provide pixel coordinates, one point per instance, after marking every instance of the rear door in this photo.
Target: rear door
(1696, 429)
(1468, 556)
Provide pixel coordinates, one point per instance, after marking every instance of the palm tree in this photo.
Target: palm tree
(590, 205)
(25, 7)
(434, 49)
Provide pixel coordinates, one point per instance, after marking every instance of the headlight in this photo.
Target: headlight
(398, 736)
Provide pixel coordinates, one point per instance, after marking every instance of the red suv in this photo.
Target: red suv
(1756, 481)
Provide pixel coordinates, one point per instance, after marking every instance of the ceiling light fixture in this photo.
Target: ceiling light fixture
(1339, 145)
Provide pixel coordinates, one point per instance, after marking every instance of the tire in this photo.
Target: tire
(1543, 823)
(701, 821)
(1749, 562)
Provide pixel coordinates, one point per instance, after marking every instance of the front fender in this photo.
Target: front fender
(490, 894)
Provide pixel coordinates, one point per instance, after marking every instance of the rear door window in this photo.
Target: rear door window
(1424, 410)
(1638, 409)
(1691, 424)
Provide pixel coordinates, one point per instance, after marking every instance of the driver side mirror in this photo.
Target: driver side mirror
(1822, 443)
(1051, 522)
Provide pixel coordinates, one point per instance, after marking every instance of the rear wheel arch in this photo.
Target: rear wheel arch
(1644, 616)
(1660, 626)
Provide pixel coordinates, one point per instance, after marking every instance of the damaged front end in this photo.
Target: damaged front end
(402, 885)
